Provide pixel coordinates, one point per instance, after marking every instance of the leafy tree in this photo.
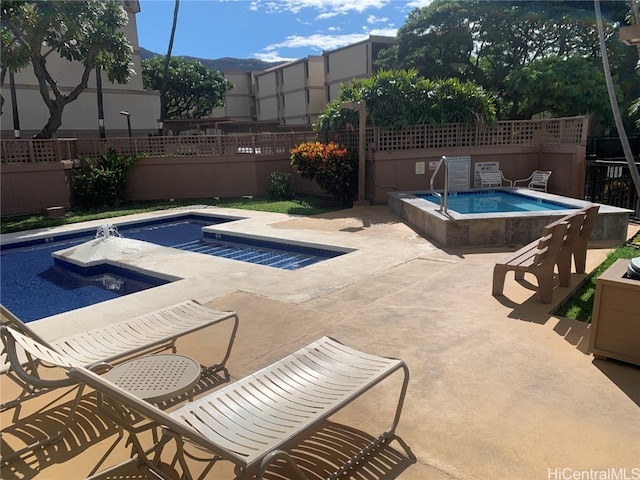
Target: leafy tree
(436, 41)
(556, 86)
(488, 41)
(86, 32)
(396, 99)
(192, 89)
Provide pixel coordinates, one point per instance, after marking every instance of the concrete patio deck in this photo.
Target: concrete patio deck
(500, 388)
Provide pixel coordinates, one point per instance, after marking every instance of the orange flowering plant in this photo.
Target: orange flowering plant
(331, 165)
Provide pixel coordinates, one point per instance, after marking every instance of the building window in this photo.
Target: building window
(306, 70)
(308, 94)
(327, 93)
(326, 64)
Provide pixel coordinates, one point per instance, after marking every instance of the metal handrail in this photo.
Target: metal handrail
(441, 198)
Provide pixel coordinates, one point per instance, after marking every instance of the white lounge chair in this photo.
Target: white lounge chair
(251, 422)
(149, 333)
(537, 180)
(493, 179)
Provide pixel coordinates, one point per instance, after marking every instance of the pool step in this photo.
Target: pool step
(246, 253)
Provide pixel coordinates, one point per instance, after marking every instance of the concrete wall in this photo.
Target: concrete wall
(30, 187)
(397, 170)
(202, 177)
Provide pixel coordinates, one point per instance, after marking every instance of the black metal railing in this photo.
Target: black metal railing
(610, 182)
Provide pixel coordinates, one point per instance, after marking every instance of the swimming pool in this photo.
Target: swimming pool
(488, 224)
(492, 201)
(35, 285)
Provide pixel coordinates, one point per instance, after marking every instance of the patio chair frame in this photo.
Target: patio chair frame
(493, 179)
(96, 350)
(252, 422)
(145, 334)
(538, 180)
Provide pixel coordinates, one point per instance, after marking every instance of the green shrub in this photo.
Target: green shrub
(280, 186)
(330, 165)
(101, 181)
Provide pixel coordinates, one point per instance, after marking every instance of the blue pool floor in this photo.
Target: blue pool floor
(33, 286)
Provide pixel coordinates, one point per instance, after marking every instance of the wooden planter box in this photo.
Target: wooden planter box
(615, 325)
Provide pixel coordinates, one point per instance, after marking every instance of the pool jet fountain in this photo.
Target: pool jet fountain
(107, 230)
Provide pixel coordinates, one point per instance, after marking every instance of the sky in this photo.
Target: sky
(269, 30)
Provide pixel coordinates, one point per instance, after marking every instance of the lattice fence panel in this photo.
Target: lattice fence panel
(16, 151)
(44, 151)
(466, 136)
(527, 133)
(521, 132)
(573, 130)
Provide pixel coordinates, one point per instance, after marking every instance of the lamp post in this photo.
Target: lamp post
(128, 115)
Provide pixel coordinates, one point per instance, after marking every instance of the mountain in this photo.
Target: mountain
(224, 64)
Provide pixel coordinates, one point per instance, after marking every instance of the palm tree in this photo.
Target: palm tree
(165, 74)
(614, 102)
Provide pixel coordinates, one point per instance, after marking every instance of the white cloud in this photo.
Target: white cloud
(327, 8)
(371, 19)
(318, 41)
(327, 15)
(272, 57)
(419, 3)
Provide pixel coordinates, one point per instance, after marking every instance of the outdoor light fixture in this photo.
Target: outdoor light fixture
(630, 35)
(128, 115)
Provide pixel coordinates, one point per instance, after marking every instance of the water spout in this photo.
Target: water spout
(107, 230)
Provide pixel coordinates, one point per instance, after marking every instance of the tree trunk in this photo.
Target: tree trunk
(614, 102)
(167, 59)
(54, 122)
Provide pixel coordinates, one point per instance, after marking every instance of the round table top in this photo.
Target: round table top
(156, 378)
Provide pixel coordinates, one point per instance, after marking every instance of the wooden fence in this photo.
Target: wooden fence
(572, 130)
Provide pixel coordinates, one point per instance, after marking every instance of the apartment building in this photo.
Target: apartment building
(80, 117)
(292, 94)
(346, 64)
(296, 92)
(240, 104)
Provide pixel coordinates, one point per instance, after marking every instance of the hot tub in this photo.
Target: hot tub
(491, 225)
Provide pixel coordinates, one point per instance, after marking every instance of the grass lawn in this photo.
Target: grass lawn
(580, 306)
(296, 206)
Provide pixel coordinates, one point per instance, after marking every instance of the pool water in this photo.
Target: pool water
(495, 201)
(34, 286)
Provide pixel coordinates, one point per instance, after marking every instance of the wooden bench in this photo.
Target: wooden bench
(561, 240)
(575, 244)
(537, 258)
